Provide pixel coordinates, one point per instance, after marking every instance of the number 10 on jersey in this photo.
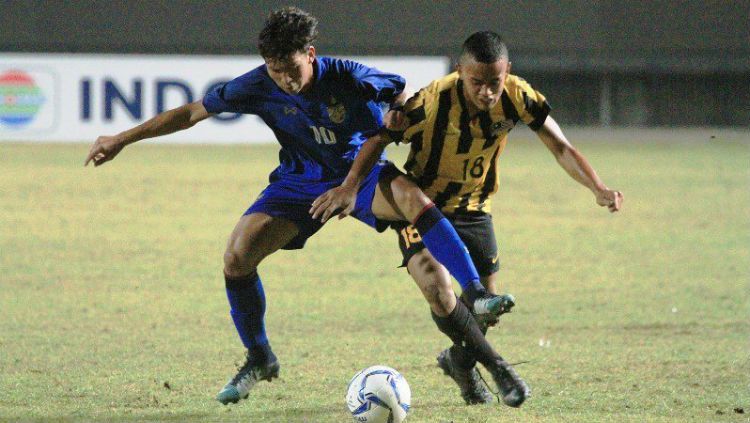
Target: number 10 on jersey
(324, 135)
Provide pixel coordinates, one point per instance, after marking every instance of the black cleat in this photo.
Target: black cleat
(473, 389)
(247, 376)
(513, 389)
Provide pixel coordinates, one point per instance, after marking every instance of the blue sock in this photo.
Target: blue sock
(441, 239)
(248, 306)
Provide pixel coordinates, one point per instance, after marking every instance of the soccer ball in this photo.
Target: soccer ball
(378, 394)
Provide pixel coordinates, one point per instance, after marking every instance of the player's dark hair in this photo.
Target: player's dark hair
(287, 31)
(484, 47)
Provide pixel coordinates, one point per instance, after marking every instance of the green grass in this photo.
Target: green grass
(111, 288)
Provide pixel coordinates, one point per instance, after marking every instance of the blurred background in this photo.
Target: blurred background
(619, 63)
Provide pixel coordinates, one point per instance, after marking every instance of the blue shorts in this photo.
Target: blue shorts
(292, 201)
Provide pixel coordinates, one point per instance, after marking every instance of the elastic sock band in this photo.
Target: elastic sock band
(427, 218)
(233, 282)
(421, 212)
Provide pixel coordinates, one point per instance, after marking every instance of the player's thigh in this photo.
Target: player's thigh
(398, 198)
(255, 236)
(433, 280)
(478, 234)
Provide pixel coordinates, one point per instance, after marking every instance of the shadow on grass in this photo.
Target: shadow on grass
(328, 413)
(177, 417)
(229, 414)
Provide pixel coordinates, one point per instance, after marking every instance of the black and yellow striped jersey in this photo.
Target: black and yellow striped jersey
(453, 157)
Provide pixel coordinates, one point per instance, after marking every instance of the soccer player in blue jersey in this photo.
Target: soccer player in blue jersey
(322, 110)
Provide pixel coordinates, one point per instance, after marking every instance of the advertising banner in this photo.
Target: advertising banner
(77, 97)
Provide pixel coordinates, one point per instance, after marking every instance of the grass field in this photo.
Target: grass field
(113, 306)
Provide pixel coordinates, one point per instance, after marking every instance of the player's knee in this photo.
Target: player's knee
(237, 263)
(409, 197)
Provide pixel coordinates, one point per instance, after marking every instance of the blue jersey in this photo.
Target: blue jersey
(321, 130)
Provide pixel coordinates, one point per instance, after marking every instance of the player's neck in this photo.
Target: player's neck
(471, 109)
(310, 83)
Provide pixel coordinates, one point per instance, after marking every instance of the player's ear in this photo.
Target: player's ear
(507, 72)
(310, 54)
(457, 68)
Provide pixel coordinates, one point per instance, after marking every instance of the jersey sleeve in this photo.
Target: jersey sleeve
(375, 85)
(235, 96)
(530, 105)
(417, 108)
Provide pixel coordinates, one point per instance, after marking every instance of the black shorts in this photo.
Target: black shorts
(476, 231)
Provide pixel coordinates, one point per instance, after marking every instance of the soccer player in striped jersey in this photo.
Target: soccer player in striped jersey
(457, 128)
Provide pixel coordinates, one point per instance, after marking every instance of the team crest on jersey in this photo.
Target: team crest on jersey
(502, 126)
(290, 110)
(336, 110)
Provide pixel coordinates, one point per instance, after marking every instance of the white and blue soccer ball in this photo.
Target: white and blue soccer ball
(378, 394)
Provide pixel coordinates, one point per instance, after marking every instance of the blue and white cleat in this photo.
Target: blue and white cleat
(247, 376)
(491, 306)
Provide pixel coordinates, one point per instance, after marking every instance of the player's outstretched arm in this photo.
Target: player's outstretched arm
(577, 166)
(341, 200)
(107, 147)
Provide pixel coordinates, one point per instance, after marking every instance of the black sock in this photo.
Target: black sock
(469, 342)
(462, 356)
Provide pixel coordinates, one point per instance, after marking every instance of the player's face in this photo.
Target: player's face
(293, 74)
(483, 82)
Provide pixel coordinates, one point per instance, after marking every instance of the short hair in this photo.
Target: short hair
(484, 47)
(287, 31)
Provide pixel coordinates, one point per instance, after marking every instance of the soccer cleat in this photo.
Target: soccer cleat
(489, 307)
(473, 389)
(513, 389)
(247, 376)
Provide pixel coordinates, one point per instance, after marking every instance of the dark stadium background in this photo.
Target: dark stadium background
(644, 63)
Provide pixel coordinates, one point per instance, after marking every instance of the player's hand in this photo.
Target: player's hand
(104, 149)
(610, 199)
(396, 120)
(339, 200)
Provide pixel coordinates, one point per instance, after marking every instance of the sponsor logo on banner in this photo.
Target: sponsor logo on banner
(20, 98)
(26, 99)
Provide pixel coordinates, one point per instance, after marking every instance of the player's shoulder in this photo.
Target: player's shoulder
(445, 83)
(334, 67)
(254, 77)
(428, 94)
(426, 99)
(255, 81)
(437, 86)
(515, 83)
